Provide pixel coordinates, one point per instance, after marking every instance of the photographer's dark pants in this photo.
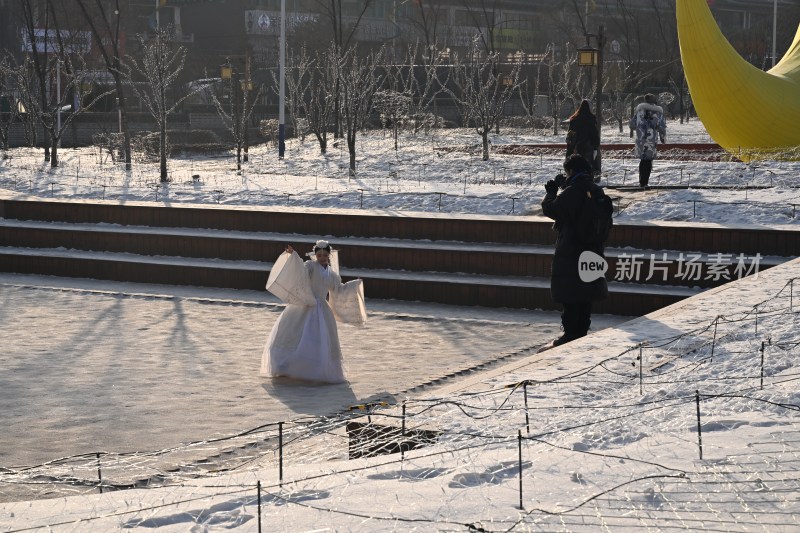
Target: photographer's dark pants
(576, 319)
(645, 168)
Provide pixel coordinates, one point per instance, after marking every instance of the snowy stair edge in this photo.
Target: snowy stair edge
(532, 249)
(255, 266)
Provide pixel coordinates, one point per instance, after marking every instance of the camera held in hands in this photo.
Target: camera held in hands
(561, 181)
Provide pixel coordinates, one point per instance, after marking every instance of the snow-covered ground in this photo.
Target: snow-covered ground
(425, 174)
(129, 381)
(604, 431)
(162, 365)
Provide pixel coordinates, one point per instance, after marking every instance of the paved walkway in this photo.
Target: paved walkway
(98, 366)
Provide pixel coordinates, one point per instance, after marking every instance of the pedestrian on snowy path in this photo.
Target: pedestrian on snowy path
(649, 124)
(583, 137)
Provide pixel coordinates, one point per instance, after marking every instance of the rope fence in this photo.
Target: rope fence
(515, 202)
(693, 388)
(508, 187)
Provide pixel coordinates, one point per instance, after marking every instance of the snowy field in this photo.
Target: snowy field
(158, 366)
(438, 172)
(155, 389)
(683, 419)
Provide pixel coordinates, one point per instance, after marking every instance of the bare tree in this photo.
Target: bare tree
(152, 76)
(344, 30)
(530, 92)
(9, 73)
(309, 95)
(563, 81)
(296, 87)
(417, 78)
(648, 39)
(36, 29)
(236, 114)
(620, 100)
(61, 109)
(486, 17)
(344, 25)
(105, 28)
(665, 16)
(359, 80)
(393, 107)
(56, 53)
(29, 122)
(481, 92)
(684, 98)
(426, 16)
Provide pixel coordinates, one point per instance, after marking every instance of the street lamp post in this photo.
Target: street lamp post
(282, 89)
(774, 31)
(589, 56)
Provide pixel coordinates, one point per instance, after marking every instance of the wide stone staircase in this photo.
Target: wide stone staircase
(495, 261)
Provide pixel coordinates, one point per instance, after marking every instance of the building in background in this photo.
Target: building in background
(641, 48)
(214, 30)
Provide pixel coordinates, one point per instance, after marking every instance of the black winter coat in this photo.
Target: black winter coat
(565, 283)
(583, 137)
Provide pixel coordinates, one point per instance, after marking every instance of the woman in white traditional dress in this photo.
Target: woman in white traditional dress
(304, 342)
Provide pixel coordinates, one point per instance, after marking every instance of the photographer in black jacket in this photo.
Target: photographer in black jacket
(566, 208)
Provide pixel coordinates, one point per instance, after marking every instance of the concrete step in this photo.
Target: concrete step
(695, 237)
(458, 289)
(459, 259)
(358, 252)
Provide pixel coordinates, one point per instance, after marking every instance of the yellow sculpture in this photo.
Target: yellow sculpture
(749, 112)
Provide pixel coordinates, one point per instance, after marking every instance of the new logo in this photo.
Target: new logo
(591, 266)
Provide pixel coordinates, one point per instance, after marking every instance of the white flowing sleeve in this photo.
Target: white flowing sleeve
(347, 302)
(288, 280)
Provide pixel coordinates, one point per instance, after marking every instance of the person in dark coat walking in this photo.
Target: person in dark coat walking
(566, 285)
(583, 137)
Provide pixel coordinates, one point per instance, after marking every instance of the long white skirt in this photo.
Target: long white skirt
(304, 344)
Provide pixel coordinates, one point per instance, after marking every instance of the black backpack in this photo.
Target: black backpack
(594, 220)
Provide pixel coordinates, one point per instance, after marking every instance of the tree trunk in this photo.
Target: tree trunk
(47, 137)
(162, 148)
(246, 156)
(30, 131)
(322, 139)
(238, 156)
(336, 118)
(351, 147)
(485, 139)
(54, 153)
(395, 136)
(555, 118)
(47, 144)
(126, 134)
